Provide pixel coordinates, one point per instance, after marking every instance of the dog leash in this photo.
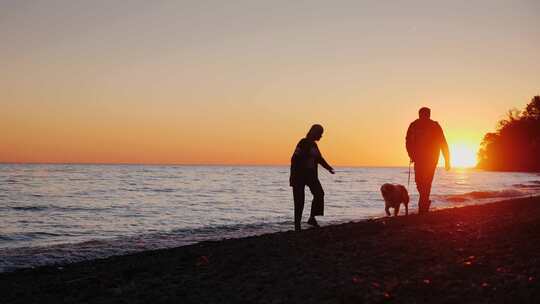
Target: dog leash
(409, 179)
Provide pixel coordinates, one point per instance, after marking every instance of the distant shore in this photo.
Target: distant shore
(476, 254)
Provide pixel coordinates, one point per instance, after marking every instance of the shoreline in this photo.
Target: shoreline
(66, 253)
(480, 253)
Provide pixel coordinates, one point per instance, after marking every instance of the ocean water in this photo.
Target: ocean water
(54, 214)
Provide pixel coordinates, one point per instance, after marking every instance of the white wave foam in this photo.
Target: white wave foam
(481, 195)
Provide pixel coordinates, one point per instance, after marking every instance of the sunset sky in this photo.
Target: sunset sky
(240, 82)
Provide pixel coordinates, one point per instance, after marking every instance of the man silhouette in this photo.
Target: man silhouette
(304, 163)
(425, 139)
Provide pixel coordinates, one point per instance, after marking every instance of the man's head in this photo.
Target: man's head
(315, 132)
(424, 113)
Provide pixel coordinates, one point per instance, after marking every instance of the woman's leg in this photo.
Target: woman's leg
(299, 197)
(317, 205)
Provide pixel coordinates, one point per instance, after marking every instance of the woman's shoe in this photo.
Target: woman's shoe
(313, 222)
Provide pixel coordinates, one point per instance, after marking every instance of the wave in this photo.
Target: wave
(12, 259)
(34, 235)
(480, 195)
(164, 190)
(527, 186)
(244, 228)
(30, 208)
(53, 207)
(148, 189)
(14, 237)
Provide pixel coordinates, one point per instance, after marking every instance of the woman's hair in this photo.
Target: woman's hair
(316, 129)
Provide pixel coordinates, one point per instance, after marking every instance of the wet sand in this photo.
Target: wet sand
(477, 254)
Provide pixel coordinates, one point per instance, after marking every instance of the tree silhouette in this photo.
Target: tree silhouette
(515, 146)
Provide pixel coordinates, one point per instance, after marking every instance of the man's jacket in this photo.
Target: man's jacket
(425, 139)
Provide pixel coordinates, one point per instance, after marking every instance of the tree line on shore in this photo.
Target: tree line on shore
(515, 145)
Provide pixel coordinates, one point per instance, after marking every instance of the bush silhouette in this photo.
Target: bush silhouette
(515, 146)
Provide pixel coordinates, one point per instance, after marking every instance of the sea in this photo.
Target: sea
(58, 214)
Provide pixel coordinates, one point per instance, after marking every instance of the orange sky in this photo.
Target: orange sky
(214, 82)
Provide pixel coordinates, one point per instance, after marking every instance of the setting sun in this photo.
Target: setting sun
(463, 155)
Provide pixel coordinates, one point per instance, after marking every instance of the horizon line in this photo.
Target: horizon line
(183, 164)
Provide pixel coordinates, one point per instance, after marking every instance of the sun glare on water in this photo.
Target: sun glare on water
(462, 155)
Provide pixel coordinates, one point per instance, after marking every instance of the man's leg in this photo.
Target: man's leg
(430, 172)
(419, 180)
(424, 177)
(424, 190)
(299, 197)
(423, 197)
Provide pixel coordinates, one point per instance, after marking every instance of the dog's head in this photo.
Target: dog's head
(386, 188)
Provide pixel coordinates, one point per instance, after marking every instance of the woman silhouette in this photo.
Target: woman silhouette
(304, 164)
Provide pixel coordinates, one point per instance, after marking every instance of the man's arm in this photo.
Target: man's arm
(445, 150)
(409, 142)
